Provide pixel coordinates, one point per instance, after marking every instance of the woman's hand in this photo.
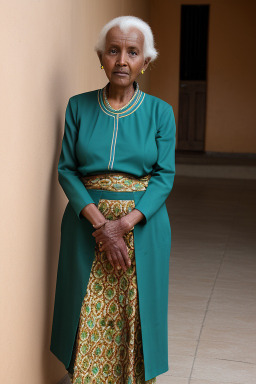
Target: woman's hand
(111, 237)
(117, 255)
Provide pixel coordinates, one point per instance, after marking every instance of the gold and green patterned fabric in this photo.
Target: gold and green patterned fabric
(108, 346)
(116, 182)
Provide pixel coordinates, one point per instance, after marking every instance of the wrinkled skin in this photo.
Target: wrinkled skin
(111, 235)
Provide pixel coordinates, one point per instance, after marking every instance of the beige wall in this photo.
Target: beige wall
(231, 95)
(46, 56)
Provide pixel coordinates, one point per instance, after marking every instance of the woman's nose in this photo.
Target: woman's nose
(122, 59)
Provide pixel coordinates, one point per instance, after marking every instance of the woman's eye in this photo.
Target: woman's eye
(133, 53)
(113, 50)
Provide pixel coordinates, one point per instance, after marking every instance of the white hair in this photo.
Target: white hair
(125, 23)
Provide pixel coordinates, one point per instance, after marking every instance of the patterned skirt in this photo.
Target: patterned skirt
(108, 347)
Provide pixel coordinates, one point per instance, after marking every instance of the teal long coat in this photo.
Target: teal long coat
(138, 140)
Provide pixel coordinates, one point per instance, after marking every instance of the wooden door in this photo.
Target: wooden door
(193, 79)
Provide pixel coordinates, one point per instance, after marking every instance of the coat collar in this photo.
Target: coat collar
(129, 108)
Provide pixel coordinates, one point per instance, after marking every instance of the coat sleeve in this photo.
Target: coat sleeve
(68, 174)
(162, 177)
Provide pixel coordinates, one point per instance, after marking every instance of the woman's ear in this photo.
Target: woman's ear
(146, 63)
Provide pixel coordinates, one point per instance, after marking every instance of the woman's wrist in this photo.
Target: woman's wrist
(99, 225)
(132, 218)
(126, 224)
(93, 215)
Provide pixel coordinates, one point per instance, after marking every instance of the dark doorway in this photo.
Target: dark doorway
(193, 77)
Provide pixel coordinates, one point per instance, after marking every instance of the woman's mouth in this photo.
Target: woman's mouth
(120, 73)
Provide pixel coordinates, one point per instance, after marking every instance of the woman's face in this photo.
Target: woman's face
(123, 57)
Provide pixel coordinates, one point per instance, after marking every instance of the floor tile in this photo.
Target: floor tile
(237, 350)
(213, 381)
(228, 328)
(224, 371)
(163, 379)
(179, 365)
(182, 346)
(233, 301)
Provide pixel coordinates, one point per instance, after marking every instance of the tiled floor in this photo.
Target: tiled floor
(212, 295)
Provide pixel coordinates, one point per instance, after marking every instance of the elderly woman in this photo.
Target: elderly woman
(116, 167)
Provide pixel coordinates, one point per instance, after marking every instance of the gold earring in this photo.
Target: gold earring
(101, 67)
(142, 71)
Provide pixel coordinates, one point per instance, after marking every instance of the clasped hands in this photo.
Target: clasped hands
(110, 235)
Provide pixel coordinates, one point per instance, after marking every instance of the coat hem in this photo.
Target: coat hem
(156, 372)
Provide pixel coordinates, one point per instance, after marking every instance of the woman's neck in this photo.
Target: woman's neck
(119, 96)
